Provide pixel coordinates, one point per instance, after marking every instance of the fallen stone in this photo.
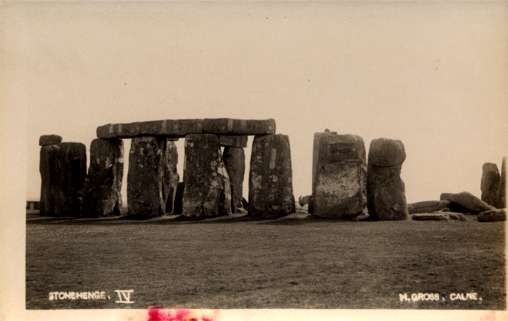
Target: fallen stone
(145, 191)
(205, 191)
(234, 161)
(427, 206)
(386, 196)
(270, 177)
(233, 141)
(171, 177)
(502, 186)
(465, 202)
(341, 177)
(495, 215)
(430, 217)
(103, 189)
(490, 184)
(46, 140)
(177, 128)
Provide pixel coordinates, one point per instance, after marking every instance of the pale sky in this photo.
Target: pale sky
(433, 75)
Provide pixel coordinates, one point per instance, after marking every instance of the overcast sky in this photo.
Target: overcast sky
(433, 75)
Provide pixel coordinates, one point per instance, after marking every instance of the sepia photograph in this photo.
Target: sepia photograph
(259, 155)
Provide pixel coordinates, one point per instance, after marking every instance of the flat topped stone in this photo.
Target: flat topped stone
(45, 140)
(176, 128)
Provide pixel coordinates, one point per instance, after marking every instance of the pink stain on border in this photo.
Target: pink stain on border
(158, 314)
(489, 316)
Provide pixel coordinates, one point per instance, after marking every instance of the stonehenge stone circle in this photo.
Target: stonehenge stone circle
(145, 194)
(204, 179)
(103, 192)
(490, 184)
(340, 184)
(171, 177)
(234, 161)
(386, 197)
(270, 177)
(46, 140)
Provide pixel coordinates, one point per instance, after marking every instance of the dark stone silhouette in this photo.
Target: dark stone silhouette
(490, 184)
(171, 176)
(52, 193)
(233, 141)
(103, 193)
(465, 202)
(386, 197)
(502, 185)
(234, 160)
(46, 140)
(428, 206)
(270, 177)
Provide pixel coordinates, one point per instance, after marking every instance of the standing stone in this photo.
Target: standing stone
(270, 177)
(52, 193)
(386, 197)
(234, 160)
(340, 184)
(103, 193)
(145, 193)
(502, 186)
(171, 176)
(490, 184)
(204, 181)
(46, 140)
(73, 172)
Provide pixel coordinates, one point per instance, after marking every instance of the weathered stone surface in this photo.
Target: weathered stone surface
(490, 184)
(46, 140)
(234, 161)
(315, 156)
(233, 141)
(171, 177)
(386, 196)
(496, 215)
(145, 191)
(465, 202)
(182, 127)
(52, 193)
(428, 206)
(205, 193)
(229, 126)
(103, 192)
(270, 177)
(341, 177)
(502, 186)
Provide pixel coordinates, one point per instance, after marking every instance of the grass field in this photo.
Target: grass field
(296, 262)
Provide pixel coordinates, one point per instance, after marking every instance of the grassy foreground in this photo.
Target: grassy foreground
(296, 262)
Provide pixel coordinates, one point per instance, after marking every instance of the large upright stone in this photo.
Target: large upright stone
(205, 190)
(52, 193)
(270, 177)
(73, 171)
(145, 192)
(103, 193)
(340, 184)
(234, 161)
(490, 184)
(386, 196)
(171, 177)
(502, 186)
